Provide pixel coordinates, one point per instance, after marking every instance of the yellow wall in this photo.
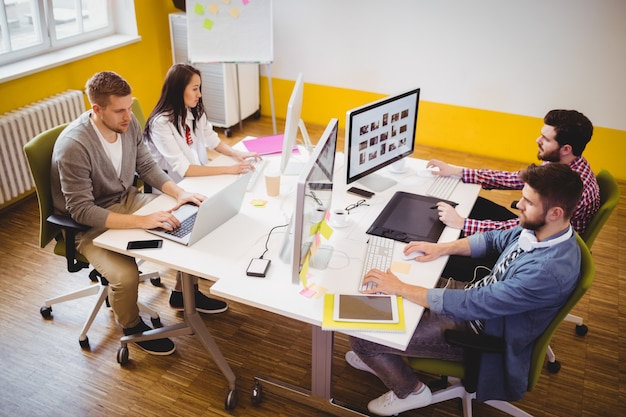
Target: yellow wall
(142, 64)
(483, 132)
(145, 63)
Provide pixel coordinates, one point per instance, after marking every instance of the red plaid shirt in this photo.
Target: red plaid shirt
(505, 180)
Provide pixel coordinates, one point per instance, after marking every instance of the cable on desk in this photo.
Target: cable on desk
(268, 238)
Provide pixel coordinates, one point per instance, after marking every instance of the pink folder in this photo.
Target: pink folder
(267, 145)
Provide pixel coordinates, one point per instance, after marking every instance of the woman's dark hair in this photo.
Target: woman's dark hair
(172, 101)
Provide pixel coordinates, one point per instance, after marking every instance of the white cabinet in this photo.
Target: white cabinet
(222, 101)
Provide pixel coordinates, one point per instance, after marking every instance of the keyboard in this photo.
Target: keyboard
(443, 187)
(258, 169)
(185, 227)
(379, 255)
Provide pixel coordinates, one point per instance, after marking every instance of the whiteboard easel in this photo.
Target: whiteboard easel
(226, 31)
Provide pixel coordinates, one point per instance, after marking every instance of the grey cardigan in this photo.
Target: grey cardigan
(84, 182)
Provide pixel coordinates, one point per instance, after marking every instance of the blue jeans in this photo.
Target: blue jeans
(427, 342)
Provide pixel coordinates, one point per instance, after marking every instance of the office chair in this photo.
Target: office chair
(609, 197)
(465, 374)
(141, 118)
(63, 229)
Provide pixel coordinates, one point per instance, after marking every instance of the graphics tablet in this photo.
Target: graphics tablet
(366, 308)
(409, 217)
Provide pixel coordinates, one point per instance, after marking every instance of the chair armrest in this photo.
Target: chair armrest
(479, 342)
(66, 222)
(71, 228)
(474, 345)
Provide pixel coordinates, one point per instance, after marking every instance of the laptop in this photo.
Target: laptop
(199, 221)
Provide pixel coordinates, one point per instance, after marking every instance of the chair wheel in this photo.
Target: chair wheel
(554, 367)
(156, 322)
(256, 395)
(156, 281)
(46, 312)
(581, 329)
(122, 355)
(228, 133)
(84, 343)
(231, 400)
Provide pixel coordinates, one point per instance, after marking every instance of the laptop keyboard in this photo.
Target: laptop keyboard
(443, 187)
(185, 227)
(379, 255)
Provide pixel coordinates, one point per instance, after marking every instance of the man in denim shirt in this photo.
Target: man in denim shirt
(538, 268)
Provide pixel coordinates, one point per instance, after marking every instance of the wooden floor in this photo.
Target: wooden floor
(44, 372)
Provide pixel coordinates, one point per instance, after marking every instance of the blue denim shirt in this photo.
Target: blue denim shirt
(518, 307)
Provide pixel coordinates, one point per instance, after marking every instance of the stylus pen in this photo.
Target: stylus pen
(452, 203)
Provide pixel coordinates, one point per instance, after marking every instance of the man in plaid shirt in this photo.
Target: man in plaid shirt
(563, 139)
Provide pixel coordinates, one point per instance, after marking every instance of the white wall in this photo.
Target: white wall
(515, 56)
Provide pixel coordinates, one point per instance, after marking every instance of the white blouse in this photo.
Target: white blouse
(170, 149)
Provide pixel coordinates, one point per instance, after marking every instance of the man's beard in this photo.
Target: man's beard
(549, 156)
(533, 225)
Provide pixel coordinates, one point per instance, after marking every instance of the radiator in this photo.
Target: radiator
(18, 127)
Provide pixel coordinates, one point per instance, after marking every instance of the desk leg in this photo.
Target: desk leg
(193, 325)
(194, 321)
(319, 396)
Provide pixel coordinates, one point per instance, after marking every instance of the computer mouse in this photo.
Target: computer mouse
(426, 172)
(412, 255)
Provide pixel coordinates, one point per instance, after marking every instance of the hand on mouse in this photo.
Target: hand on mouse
(445, 169)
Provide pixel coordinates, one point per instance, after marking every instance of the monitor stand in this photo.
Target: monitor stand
(377, 183)
(296, 163)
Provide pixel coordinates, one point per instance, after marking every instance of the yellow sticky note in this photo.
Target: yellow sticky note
(259, 203)
(198, 8)
(214, 8)
(304, 272)
(326, 230)
(400, 267)
(207, 24)
(234, 12)
(225, 1)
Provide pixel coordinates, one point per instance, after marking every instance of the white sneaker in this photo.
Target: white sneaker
(390, 405)
(356, 362)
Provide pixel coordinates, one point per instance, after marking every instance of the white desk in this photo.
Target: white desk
(225, 253)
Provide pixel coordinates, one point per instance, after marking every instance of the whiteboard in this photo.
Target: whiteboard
(230, 31)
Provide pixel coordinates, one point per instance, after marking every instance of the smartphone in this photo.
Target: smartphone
(145, 244)
(360, 192)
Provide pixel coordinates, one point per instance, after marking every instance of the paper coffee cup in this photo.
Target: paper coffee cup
(272, 181)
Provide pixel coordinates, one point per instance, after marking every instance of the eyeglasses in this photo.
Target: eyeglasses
(314, 197)
(355, 205)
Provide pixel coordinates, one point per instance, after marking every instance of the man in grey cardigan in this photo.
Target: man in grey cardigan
(93, 168)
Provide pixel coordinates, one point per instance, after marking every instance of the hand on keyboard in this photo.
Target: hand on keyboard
(258, 165)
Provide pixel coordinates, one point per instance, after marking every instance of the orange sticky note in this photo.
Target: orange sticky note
(400, 267)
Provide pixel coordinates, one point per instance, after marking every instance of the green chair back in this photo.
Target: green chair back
(587, 274)
(609, 197)
(39, 156)
(136, 109)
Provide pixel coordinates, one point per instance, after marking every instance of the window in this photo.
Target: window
(30, 27)
(39, 34)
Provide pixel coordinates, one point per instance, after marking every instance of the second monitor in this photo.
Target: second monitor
(378, 134)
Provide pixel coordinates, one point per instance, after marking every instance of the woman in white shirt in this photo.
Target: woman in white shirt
(178, 132)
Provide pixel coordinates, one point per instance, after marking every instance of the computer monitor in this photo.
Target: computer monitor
(291, 164)
(302, 243)
(379, 134)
